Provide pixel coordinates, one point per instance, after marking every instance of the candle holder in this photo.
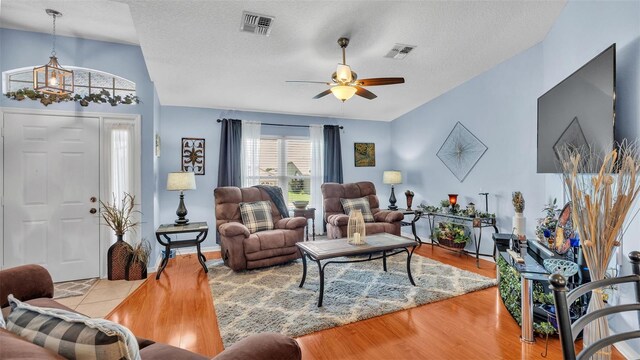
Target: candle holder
(356, 231)
(453, 200)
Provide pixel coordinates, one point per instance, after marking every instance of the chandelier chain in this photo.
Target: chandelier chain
(53, 49)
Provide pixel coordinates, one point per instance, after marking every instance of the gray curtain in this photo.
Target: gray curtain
(332, 154)
(230, 153)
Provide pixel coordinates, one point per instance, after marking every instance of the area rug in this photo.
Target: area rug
(269, 300)
(72, 288)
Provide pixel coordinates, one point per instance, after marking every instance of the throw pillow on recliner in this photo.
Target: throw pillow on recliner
(71, 335)
(361, 204)
(256, 216)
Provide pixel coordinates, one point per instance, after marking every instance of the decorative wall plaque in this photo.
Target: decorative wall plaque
(193, 155)
(461, 151)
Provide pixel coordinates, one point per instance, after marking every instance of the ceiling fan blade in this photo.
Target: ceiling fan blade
(379, 81)
(308, 82)
(324, 93)
(360, 91)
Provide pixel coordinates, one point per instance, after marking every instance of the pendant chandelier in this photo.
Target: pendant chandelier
(52, 78)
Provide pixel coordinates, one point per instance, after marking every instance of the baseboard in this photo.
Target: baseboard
(182, 252)
(627, 351)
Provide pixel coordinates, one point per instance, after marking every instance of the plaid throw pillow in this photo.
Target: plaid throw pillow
(359, 203)
(256, 216)
(71, 335)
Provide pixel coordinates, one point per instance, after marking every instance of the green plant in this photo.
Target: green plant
(453, 232)
(103, 97)
(119, 216)
(444, 204)
(518, 201)
(549, 221)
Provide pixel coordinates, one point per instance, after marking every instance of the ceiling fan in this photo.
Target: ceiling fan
(345, 83)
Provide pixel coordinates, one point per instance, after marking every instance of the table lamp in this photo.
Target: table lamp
(392, 177)
(180, 181)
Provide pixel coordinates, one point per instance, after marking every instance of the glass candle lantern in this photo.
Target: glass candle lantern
(453, 199)
(356, 232)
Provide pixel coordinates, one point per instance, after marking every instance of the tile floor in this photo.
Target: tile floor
(103, 297)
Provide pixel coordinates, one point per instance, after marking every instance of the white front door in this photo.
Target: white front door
(51, 181)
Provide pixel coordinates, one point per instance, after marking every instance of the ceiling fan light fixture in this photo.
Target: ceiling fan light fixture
(343, 92)
(343, 74)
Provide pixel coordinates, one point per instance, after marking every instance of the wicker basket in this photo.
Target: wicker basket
(449, 243)
(136, 270)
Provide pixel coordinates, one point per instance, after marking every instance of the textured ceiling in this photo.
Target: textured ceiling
(88, 19)
(197, 56)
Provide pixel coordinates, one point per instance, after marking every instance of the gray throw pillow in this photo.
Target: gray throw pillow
(71, 335)
(360, 203)
(256, 216)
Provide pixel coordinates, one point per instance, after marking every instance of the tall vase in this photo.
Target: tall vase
(597, 329)
(356, 231)
(409, 201)
(519, 224)
(117, 259)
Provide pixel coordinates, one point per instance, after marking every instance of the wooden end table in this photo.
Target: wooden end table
(308, 214)
(162, 235)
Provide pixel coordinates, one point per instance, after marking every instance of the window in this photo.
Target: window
(86, 81)
(286, 162)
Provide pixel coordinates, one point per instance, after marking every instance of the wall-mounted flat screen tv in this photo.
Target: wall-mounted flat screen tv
(579, 112)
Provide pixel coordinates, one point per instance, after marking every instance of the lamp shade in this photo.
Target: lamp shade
(181, 181)
(392, 177)
(343, 74)
(343, 92)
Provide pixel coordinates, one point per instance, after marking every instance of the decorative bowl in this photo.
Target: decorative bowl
(300, 204)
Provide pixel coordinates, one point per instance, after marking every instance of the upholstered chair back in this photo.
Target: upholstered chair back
(333, 192)
(228, 198)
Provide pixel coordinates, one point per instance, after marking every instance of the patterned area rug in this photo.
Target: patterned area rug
(269, 300)
(72, 288)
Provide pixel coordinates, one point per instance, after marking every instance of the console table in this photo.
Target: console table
(201, 229)
(476, 223)
(309, 213)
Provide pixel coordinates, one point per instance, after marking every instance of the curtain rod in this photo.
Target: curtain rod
(285, 125)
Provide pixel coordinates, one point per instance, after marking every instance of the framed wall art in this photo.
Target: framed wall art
(364, 154)
(193, 155)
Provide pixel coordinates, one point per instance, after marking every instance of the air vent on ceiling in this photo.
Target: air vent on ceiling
(400, 51)
(256, 23)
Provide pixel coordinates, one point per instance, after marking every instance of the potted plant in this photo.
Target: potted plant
(138, 260)
(444, 205)
(519, 221)
(546, 228)
(119, 217)
(451, 235)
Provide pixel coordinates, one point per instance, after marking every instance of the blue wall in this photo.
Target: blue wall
(25, 49)
(179, 122)
(499, 107)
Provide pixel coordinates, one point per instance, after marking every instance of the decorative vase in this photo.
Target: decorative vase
(409, 201)
(597, 329)
(356, 231)
(519, 224)
(117, 259)
(136, 270)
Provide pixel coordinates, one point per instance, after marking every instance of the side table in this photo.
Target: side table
(162, 235)
(309, 213)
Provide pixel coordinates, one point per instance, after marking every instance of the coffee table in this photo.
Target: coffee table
(386, 244)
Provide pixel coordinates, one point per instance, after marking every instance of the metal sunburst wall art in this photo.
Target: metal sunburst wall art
(193, 155)
(461, 151)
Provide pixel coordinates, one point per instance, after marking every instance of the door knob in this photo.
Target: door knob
(93, 199)
(93, 211)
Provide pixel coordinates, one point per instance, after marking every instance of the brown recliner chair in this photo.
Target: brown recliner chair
(385, 220)
(242, 250)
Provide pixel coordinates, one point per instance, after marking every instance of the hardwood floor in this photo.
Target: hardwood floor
(178, 310)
